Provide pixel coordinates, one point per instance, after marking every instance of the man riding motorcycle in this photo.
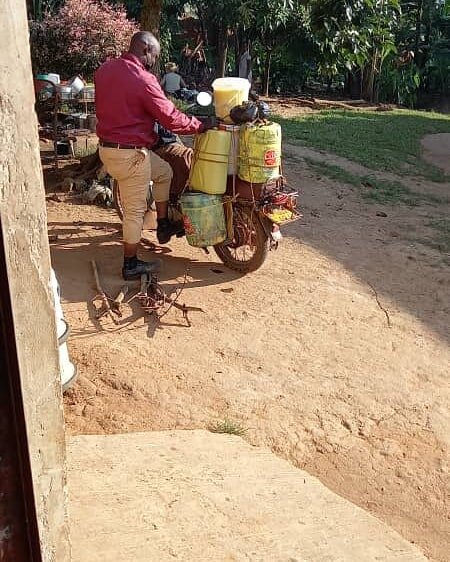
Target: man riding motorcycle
(129, 101)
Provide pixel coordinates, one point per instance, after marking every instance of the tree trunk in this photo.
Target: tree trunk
(222, 51)
(419, 16)
(368, 82)
(237, 50)
(427, 22)
(353, 84)
(267, 63)
(151, 16)
(372, 81)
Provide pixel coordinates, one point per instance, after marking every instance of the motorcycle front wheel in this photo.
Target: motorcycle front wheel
(248, 249)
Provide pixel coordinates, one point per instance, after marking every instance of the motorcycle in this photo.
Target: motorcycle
(254, 213)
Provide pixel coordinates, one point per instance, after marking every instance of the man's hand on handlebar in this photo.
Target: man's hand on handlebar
(208, 123)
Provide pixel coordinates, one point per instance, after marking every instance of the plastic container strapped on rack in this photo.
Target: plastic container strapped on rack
(228, 93)
(203, 219)
(233, 158)
(260, 152)
(210, 162)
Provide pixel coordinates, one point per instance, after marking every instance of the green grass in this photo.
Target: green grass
(379, 191)
(442, 239)
(385, 141)
(228, 426)
(333, 172)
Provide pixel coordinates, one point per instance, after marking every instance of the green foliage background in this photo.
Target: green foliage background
(383, 50)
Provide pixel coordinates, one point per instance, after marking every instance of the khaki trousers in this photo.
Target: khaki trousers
(134, 170)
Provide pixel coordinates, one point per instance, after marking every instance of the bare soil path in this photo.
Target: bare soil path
(335, 354)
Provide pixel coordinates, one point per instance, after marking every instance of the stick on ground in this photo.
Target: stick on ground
(101, 294)
(380, 306)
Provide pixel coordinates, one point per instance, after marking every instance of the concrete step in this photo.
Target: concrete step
(195, 496)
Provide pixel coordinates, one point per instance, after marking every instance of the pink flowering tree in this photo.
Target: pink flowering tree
(79, 37)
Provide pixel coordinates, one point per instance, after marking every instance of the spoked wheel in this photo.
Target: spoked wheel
(248, 249)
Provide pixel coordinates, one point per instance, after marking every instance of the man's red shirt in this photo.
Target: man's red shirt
(129, 100)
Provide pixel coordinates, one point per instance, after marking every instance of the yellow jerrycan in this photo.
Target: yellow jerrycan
(260, 152)
(210, 162)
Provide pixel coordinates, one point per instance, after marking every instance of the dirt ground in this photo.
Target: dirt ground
(335, 354)
(194, 496)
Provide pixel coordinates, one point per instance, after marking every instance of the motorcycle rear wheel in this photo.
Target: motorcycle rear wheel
(250, 245)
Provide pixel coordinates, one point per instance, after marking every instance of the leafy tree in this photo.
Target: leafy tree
(357, 35)
(294, 59)
(79, 37)
(258, 20)
(423, 64)
(267, 23)
(366, 40)
(393, 50)
(221, 20)
(437, 48)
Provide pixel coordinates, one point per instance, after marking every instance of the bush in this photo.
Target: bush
(79, 37)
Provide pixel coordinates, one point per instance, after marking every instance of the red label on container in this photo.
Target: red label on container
(271, 158)
(188, 226)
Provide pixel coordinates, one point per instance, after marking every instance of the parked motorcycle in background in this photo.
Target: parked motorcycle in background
(233, 196)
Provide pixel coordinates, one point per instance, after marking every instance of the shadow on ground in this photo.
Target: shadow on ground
(81, 242)
(381, 245)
